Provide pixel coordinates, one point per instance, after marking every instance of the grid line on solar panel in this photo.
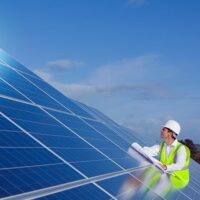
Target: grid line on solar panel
(99, 114)
(110, 134)
(133, 136)
(50, 95)
(190, 190)
(121, 131)
(14, 64)
(14, 94)
(84, 123)
(106, 121)
(31, 166)
(102, 129)
(33, 93)
(45, 124)
(195, 182)
(7, 90)
(29, 74)
(17, 90)
(39, 178)
(137, 174)
(7, 65)
(71, 185)
(88, 192)
(59, 157)
(30, 111)
(17, 100)
(116, 149)
(127, 136)
(85, 107)
(11, 176)
(111, 124)
(120, 185)
(66, 136)
(62, 99)
(185, 195)
(100, 132)
(103, 120)
(35, 103)
(38, 105)
(87, 142)
(101, 160)
(85, 161)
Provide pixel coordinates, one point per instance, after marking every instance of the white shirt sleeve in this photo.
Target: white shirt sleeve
(152, 151)
(180, 161)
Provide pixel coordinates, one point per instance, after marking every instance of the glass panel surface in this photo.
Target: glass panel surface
(28, 89)
(161, 183)
(127, 187)
(26, 165)
(58, 138)
(10, 92)
(87, 192)
(13, 63)
(109, 133)
(106, 145)
(73, 107)
(128, 135)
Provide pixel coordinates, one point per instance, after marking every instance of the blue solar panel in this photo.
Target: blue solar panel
(162, 185)
(7, 59)
(99, 140)
(24, 161)
(53, 147)
(125, 133)
(109, 133)
(89, 192)
(125, 187)
(71, 106)
(9, 91)
(31, 92)
(43, 127)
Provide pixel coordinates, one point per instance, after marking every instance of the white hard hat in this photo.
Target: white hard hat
(173, 125)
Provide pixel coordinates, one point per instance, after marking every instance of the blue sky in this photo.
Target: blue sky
(135, 60)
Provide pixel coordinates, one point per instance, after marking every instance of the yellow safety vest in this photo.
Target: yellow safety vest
(180, 178)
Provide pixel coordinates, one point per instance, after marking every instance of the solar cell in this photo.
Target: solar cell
(41, 125)
(125, 187)
(109, 133)
(27, 89)
(26, 165)
(89, 192)
(55, 94)
(7, 59)
(124, 133)
(7, 90)
(162, 186)
(97, 139)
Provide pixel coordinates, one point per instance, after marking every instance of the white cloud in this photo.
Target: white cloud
(142, 92)
(63, 64)
(126, 71)
(125, 77)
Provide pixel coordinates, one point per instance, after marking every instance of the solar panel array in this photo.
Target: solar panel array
(53, 147)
